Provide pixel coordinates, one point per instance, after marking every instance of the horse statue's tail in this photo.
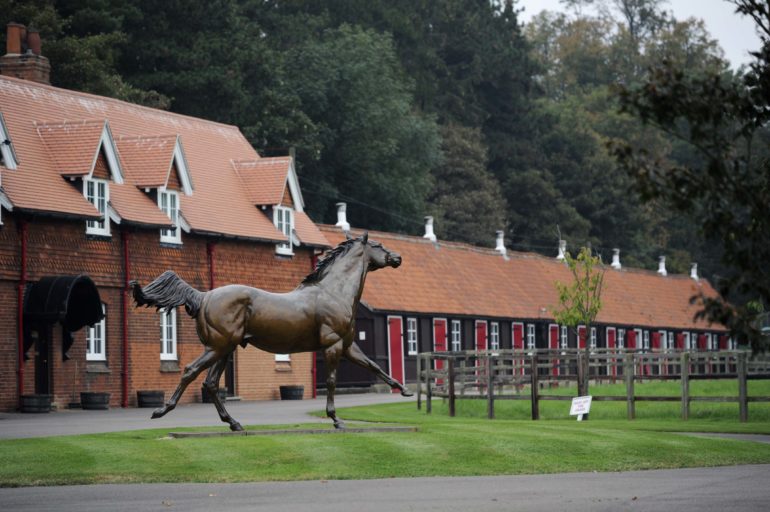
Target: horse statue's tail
(168, 291)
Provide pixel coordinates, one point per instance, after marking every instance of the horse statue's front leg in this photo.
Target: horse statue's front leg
(332, 358)
(355, 355)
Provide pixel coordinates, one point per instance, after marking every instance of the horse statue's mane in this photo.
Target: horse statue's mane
(329, 258)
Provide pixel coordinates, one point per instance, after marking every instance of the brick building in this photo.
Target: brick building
(449, 296)
(112, 192)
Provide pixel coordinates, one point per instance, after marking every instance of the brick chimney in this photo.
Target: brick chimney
(22, 57)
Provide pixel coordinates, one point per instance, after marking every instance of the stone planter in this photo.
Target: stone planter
(292, 392)
(150, 398)
(36, 403)
(94, 401)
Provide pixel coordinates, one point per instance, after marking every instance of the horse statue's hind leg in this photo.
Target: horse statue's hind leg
(355, 355)
(191, 372)
(211, 385)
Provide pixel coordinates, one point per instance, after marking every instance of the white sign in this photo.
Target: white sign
(580, 405)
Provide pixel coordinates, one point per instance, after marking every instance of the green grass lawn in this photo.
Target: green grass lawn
(443, 446)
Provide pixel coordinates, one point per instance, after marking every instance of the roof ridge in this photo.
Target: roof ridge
(28, 83)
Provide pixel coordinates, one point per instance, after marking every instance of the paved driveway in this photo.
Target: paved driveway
(77, 421)
(733, 488)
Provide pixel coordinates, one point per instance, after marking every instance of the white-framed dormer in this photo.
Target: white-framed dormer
(7, 154)
(177, 180)
(105, 168)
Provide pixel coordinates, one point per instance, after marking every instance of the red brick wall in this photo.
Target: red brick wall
(60, 247)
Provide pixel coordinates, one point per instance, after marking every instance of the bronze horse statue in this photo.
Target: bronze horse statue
(318, 315)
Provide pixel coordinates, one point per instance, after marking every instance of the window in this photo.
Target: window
(563, 336)
(530, 336)
(411, 336)
(97, 192)
(283, 358)
(168, 335)
(621, 341)
(7, 155)
(96, 343)
(494, 336)
(593, 337)
(168, 201)
(646, 340)
(283, 218)
(457, 344)
(671, 343)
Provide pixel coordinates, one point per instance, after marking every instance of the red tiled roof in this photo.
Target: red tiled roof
(71, 145)
(457, 279)
(147, 159)
(220, 204)
(264, 179)
(308, 232)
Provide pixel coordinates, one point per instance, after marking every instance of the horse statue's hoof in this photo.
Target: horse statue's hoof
(406, 392)
(159, 412)
(339, 425)
(236, 427)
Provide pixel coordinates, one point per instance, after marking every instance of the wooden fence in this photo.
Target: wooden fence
(506, 375)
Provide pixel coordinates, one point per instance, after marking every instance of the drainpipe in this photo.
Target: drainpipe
(22, 285)
(313, 263)
(210, 247)
(124, 237)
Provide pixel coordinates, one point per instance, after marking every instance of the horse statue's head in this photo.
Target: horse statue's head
(378, 255)
(375, 254)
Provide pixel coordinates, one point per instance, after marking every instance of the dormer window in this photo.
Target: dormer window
(7, 155)
(168, 201)
(97, 192)
(283, 218)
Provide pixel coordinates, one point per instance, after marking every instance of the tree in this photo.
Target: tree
(581, 300)
(466, 199)
(727, 187)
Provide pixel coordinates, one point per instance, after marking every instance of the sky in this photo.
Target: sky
(735, 33)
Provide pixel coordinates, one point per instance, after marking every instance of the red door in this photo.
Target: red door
(553, 344)
(655, 341)
(723, 342)
(631, 340)
(702, 342)
(680, 341)
(613, 369)
(582, 336)
(518, 336)
(396, 349)
(439, 342)
(481, 335)
(518, 343)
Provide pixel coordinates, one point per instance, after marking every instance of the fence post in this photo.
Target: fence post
(628, 373)
(451, 389)
(490, 389)
(429, 387)
(685, 371)
(419, 381)
(534, 386)
(743, 401)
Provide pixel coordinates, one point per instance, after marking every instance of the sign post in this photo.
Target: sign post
(581, 405)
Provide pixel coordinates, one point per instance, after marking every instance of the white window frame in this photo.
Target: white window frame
(620, 338)
(646, 340)
(96, 340)
(279, 220)
(168, 335)
(687, 340)
(165, 200)
(7, 152)
(411, 336)
(563, 337)
(456, 336)
(530, 336)
(494, 336)
(593, 338)
(282, 358)
(96, 227)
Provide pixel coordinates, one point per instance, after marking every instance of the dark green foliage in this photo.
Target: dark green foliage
(727, 187)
